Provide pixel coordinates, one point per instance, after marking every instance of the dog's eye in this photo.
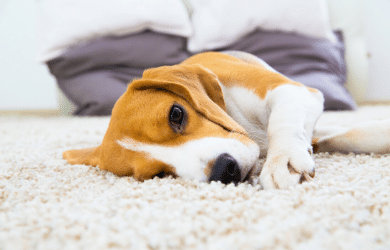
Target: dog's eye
(177, 117)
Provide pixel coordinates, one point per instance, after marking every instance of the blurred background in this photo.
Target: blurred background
(26, 87)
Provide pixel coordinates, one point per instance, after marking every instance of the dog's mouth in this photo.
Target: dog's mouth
(164, 174)
(224, 169)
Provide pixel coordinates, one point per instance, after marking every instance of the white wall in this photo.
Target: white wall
(24, 84)
(377, 24)
(348, 16)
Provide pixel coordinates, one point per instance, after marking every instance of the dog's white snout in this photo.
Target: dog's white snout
(191, 159)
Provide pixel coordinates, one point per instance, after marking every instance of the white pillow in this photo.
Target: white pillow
(218, 23)
(63, 23)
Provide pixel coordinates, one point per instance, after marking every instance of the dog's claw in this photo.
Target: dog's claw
(306, 177)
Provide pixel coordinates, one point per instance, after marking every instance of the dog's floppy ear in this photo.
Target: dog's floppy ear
(196, 84)
(109, 156)
(87, 156)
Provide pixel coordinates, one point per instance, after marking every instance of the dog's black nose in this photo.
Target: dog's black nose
(225, 170)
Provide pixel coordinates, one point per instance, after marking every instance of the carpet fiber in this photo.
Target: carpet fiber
(46, 203)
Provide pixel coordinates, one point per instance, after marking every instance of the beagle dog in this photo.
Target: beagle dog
(213, 116)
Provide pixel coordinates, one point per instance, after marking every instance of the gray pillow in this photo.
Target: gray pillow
(94, 75)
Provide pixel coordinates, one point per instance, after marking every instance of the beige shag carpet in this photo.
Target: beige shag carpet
(47, 204)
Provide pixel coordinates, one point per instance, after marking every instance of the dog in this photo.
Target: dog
(213, 116)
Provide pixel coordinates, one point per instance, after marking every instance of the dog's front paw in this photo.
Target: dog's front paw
(286, 169)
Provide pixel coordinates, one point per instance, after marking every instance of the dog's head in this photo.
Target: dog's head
(173, 121)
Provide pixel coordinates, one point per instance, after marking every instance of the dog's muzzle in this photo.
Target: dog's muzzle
(225, 170)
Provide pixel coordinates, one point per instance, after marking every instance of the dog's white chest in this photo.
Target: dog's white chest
(250, 112)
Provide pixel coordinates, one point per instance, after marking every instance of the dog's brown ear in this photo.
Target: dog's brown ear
(87, 156)
(196, 84)
(109, 156)
(197, 80)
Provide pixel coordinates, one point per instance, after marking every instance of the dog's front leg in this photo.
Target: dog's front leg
(292, 112)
